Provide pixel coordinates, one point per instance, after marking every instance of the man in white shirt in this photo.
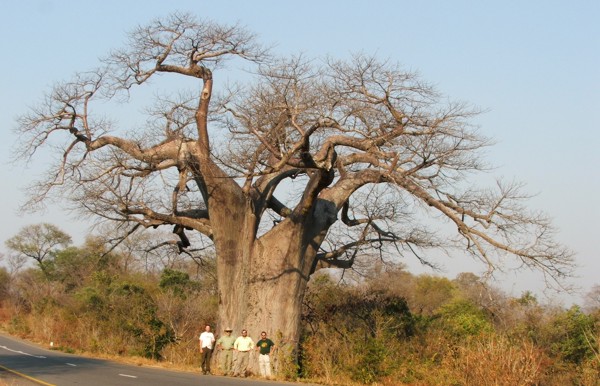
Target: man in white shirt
(206, 340)
(243, 345)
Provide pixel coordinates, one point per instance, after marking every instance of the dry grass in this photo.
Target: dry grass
(496, 361)
(8, 379)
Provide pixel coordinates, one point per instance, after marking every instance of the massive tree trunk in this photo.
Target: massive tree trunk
(262, 281)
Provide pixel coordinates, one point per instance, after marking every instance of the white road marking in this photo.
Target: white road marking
(70, 364)
(24, 353)
(128, 376)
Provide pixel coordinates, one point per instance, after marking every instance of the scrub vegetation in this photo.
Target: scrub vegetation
(383, 327)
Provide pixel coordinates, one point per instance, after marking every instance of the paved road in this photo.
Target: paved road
(32, 365)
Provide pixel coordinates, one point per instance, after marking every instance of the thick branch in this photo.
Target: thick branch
(152, 218)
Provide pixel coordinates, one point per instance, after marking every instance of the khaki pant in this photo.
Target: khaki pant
(264, 364)
(227, 361)
(241, 363)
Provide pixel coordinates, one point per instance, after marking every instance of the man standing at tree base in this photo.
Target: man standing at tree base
(225, 344)
(207, 339)
(265, 348)
(243, 345)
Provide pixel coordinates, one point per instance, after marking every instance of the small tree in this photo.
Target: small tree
(592, 299)
(4, 284)
(431, 293)
(40, 242)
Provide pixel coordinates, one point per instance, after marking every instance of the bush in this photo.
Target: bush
(460, 319)
(571, 335)
(370, 365)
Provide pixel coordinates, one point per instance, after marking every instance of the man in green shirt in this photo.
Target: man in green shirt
(264, 347)
(225, 345)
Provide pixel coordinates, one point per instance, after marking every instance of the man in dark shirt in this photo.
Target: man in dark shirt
(265, 348)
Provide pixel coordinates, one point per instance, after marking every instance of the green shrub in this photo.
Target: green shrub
(460, 318)
(571, 335)
(370, 366)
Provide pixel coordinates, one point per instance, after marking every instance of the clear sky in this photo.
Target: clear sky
(533, 65)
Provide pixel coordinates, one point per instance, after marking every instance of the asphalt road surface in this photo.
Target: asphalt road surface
(25, 364)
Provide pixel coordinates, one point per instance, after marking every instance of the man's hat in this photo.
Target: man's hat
(228, 329)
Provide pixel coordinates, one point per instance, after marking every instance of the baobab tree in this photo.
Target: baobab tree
(302, 165)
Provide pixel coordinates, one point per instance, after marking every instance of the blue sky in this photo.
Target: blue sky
(534, 66)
